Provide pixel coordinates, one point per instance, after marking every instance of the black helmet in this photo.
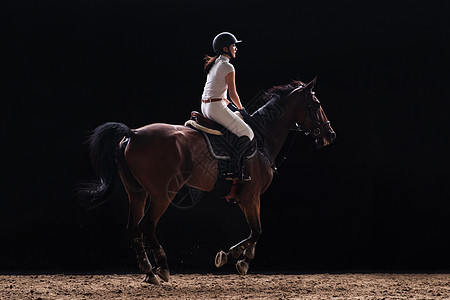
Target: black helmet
(223, 39)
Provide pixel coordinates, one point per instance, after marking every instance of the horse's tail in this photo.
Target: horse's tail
(103, 145)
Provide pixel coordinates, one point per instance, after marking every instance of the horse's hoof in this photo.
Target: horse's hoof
(250, 252)
(151, 278)
(221, 259)
(242, 267)
(164, 274)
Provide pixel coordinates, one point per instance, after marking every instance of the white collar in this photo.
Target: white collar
(225, 58)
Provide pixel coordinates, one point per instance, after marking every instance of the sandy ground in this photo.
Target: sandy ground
(209, 286)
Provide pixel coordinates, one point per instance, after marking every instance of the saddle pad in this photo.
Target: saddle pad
(218, 146)
(202, 128)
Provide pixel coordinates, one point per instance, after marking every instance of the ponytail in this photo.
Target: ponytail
(209, 62)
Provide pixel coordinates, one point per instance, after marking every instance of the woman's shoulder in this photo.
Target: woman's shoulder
(225, 66)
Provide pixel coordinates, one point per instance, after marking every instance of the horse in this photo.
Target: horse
(155, 161)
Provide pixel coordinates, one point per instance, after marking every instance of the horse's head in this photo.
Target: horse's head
(310, 117)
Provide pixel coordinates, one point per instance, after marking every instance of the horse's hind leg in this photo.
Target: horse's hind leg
(148, 224)
(137, 197)
(137, 209)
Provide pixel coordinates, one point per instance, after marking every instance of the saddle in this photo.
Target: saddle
(198, 121)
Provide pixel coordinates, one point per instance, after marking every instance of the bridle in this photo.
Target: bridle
(319, 128)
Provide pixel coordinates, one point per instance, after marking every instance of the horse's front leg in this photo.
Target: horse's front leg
(246, 247)
(251, 210)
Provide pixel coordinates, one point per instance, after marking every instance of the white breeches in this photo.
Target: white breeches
(219, 113)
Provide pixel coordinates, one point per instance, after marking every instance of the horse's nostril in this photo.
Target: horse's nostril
(333, 135)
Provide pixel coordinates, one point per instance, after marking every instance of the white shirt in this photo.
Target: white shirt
(216, 85)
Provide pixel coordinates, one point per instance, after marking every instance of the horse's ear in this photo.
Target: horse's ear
(311, 84)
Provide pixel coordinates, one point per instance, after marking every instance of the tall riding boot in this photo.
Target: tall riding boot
(242, 147)
(251, 147)
(242, 177)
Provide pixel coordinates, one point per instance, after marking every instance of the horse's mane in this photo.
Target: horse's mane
(274, 94)
(267, 114)
(282, 90)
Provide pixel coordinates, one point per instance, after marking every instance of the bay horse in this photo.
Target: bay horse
(156, 160)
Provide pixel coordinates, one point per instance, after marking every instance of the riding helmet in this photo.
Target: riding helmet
(224, 39)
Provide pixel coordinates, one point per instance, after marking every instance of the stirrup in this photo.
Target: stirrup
(230, 176)
(237, 175)
(244, 178)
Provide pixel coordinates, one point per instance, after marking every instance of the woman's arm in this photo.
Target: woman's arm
(230, 79)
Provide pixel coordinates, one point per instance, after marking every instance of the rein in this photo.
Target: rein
(288, 149)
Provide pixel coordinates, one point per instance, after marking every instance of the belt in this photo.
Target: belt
(212, 100)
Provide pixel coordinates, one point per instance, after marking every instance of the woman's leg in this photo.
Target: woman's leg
(218, 112)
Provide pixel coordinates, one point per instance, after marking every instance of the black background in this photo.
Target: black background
(376, 199)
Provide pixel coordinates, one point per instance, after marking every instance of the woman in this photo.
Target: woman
(220, 80)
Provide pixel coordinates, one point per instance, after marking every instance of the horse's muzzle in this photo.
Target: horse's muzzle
(332, 136)
(326, 138)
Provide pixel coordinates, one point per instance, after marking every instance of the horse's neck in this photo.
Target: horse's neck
(276, 117)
